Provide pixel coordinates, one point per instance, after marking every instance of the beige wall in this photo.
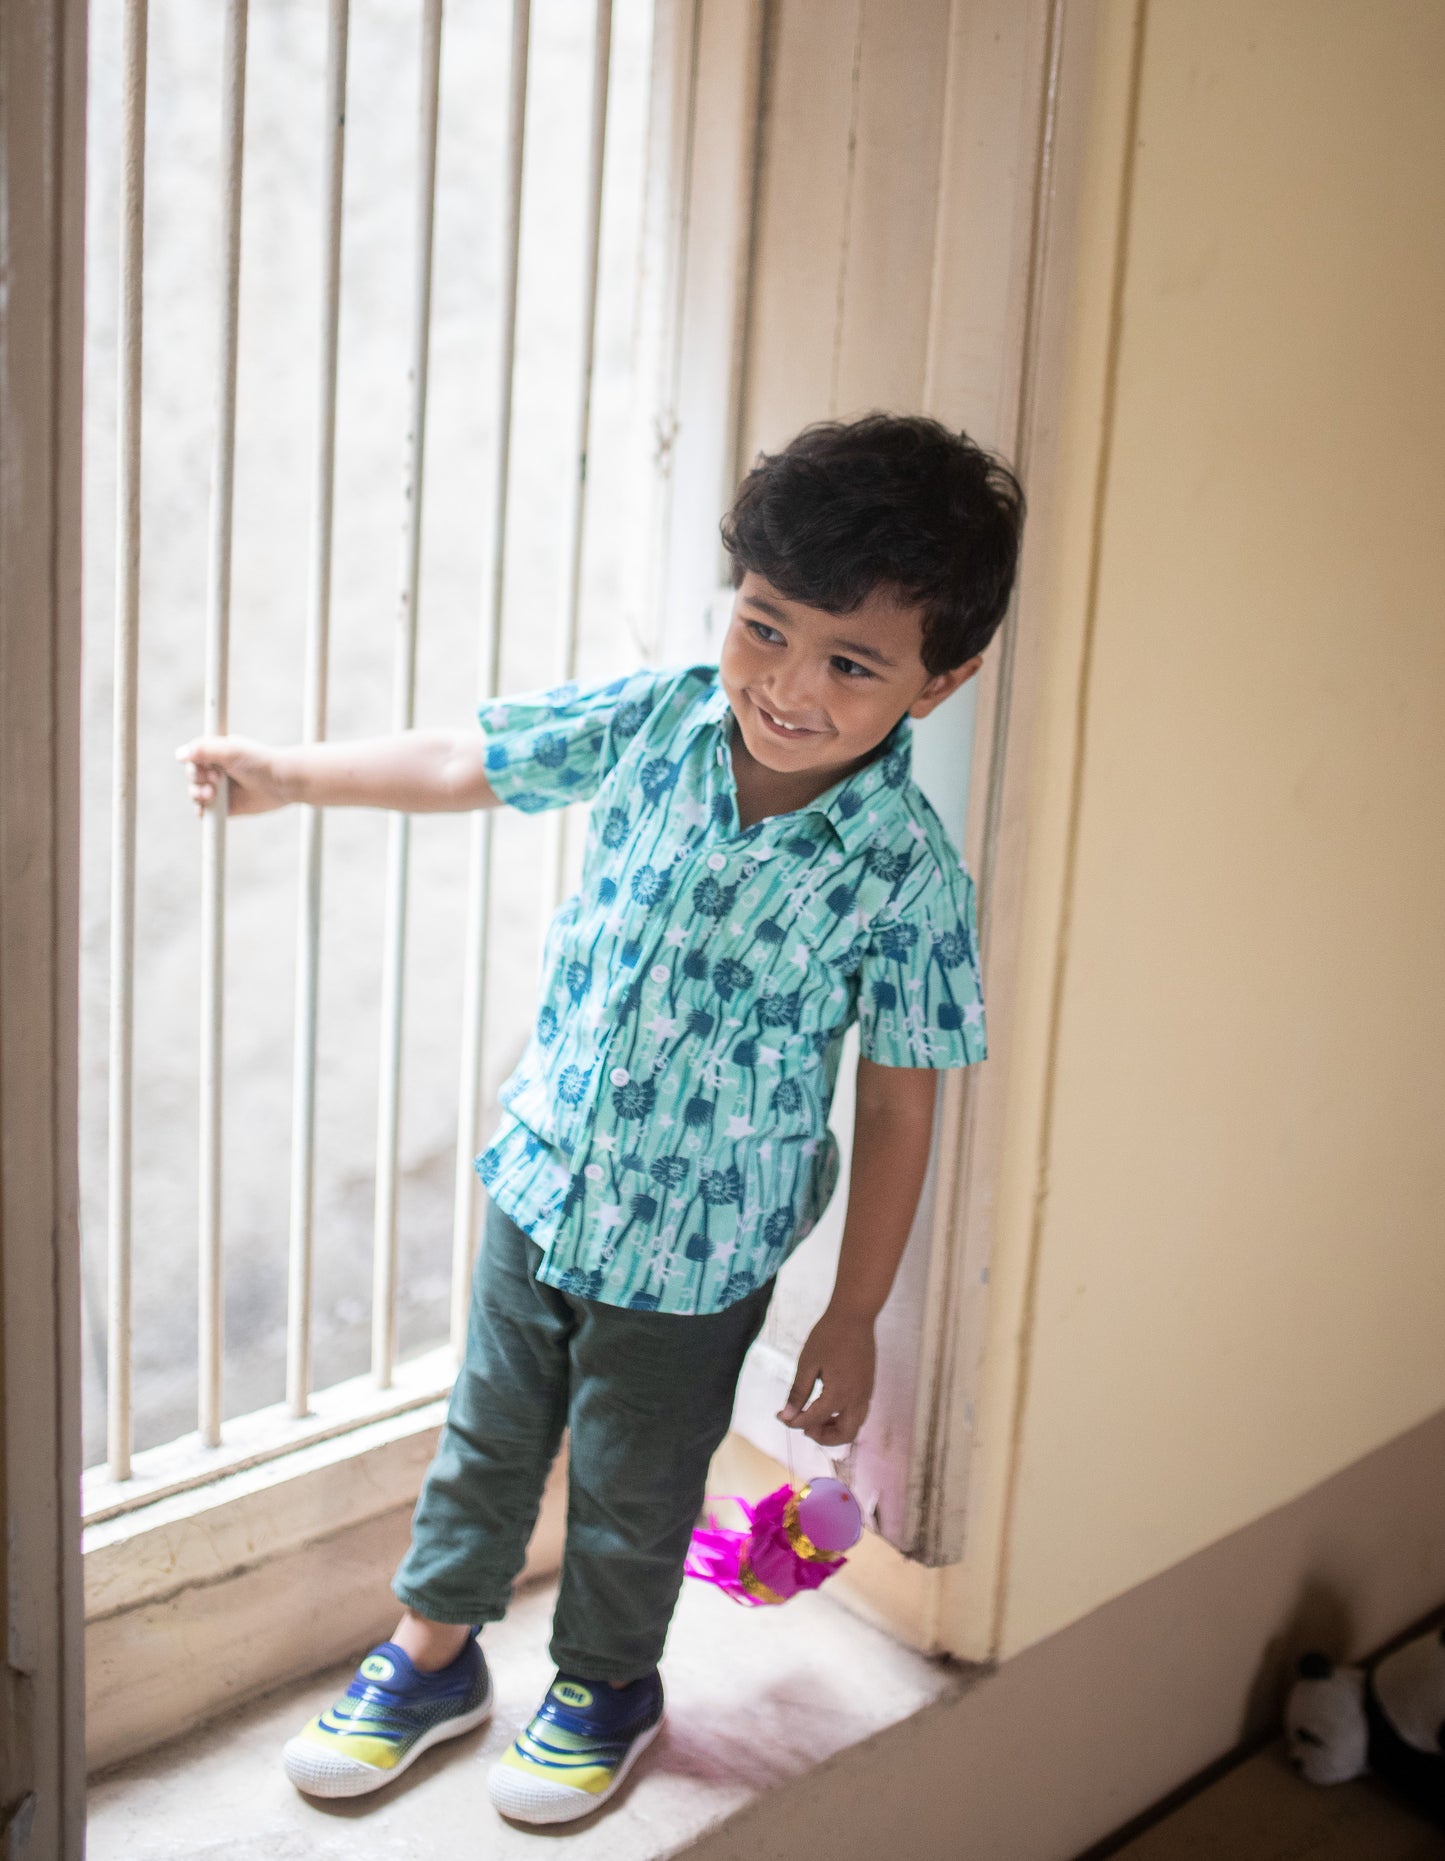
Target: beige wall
(1219, 1267)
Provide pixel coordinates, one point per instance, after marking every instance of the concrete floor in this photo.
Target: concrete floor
(755, 1698)
(1261, 1811)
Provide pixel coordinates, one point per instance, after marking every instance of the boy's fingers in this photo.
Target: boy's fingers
(818, 1414)
(206, 750)
(834, 1417)
(848, 1424)
(823, 1408)
(834, 1430)
(802, 1388)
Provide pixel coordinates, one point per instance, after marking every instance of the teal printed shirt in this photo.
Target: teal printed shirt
(665, 1136)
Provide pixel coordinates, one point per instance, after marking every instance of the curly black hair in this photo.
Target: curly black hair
(888, 500)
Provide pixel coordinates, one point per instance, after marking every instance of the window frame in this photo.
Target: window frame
(710, 63)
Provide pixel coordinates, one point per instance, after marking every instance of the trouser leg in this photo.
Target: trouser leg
(652, 1398)
(504, 1423)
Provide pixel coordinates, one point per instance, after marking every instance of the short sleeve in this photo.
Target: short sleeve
(920, 1000)
(546, 749)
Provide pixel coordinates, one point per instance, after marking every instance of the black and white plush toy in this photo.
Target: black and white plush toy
(1388, 1719)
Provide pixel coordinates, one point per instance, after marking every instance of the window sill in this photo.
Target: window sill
(215, 1593)
(269, 1434)
(757, 1701)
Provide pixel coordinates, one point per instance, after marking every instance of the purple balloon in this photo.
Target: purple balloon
(830, 1515)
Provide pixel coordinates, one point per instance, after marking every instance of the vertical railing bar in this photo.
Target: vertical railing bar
(308, 952)
(480, 863)
(383, 1309)
(218, 629)
(123, 792)
(601, 74)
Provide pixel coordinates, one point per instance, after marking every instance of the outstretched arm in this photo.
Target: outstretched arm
(891, 1135)
(416, 771)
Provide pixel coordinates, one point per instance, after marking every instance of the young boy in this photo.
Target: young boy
(760, 871)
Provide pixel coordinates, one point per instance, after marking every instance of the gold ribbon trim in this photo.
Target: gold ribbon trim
(799, 1539)
(755, 1586)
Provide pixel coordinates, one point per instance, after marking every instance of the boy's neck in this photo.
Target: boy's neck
(763, 792)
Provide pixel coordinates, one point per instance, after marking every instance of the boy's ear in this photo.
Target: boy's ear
(943, 685)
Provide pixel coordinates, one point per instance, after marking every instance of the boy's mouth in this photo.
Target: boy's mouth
(786, 732)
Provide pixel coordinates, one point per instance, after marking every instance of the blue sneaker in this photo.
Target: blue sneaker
(389, 1715)
(581, 1742)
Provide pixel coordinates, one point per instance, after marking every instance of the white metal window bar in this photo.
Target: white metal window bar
(216, 710)
(479, 867)
(318, 640)
(127, 652)
(403, 716)
(601, 70)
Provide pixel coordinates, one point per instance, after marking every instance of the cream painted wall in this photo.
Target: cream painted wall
(1219, 1255)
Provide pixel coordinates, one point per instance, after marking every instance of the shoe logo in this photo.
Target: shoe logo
(571, 1695)
(377, 1667)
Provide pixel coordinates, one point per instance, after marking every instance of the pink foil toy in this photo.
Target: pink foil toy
(795, 1541)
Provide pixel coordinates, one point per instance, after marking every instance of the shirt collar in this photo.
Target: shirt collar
(847, 805)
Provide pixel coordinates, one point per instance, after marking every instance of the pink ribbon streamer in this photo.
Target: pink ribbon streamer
(759, 1565)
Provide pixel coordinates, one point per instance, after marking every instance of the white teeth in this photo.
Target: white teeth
(794, 730)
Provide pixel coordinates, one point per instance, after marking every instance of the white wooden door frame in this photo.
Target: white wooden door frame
(42, 149)
(992, 223)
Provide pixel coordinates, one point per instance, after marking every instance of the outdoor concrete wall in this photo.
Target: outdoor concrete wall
(1218, 1276)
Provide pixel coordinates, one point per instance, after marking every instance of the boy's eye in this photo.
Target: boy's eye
(770, 635)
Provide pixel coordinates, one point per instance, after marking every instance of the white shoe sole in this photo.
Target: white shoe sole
(524, 1798)
(319, 1772)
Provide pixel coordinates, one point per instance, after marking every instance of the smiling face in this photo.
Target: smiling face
(815, 693)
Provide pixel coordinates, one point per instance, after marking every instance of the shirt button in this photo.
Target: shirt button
(717, 861)
(593, 1172)
(619, 1075)
(658, 972)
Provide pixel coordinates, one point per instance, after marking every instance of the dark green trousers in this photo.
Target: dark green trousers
(647, 1398)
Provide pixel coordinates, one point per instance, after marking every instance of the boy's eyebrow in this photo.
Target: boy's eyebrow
(847, 646)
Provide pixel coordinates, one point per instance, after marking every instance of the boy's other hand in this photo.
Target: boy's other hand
(254, 780)
(840, 1354)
